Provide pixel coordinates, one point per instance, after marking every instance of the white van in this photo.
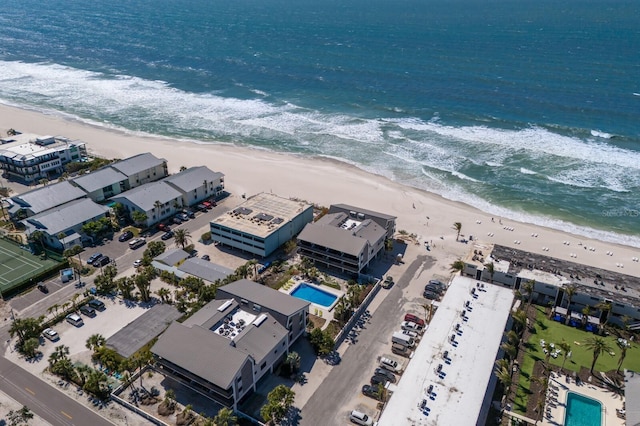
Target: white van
(75, 319)
(402, 339)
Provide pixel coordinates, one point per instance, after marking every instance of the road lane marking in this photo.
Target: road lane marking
(30, 391)
(66, 415)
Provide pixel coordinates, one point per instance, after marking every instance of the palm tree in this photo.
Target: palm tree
(491, 269)
(570, 291)
(598, 345)
(520, 320)
(95, 341)
(428, 311)
(509, 349)
(225, 417)
(157, 205)
(457, 226)
(566, 348)
(74, 299)
(605, 309)
(59, 353)
(457, 266)
(164, 294)
(623, 345)
(586, 312)
(293, 360)
(39, 237)
(182, 238)
(528, 286)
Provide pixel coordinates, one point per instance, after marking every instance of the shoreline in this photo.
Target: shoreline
(325, 181)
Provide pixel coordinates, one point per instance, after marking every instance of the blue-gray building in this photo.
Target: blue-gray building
(261, 224)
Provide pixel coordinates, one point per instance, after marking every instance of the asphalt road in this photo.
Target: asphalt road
(326, 407)
(44, 400)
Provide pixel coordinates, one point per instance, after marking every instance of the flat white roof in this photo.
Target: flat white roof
(459, 389)
(543, 277)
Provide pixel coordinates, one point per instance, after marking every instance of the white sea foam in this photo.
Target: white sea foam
(599, 134)
(525, 171)
(421, 153)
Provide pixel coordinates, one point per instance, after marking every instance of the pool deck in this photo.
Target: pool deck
(559, 388)
(317, 310)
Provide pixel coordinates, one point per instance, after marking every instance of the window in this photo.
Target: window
(263, 366)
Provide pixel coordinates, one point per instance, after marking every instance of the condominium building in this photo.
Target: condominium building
(347, 238)
(261, 224)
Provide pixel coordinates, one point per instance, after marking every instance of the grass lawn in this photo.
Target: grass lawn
(555, 332)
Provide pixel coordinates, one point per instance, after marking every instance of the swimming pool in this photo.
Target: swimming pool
(582, 411)
(314, 295)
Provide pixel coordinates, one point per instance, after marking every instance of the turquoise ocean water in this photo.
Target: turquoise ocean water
(528, 109)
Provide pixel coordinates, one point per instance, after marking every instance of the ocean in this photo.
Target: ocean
(527, 109)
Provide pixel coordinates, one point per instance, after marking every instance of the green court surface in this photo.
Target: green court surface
(19, 266)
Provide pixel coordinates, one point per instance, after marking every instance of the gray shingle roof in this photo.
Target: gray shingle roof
(202, 352)
(61, 218)
(206, 270)
(265, 296)
(145, 196)
(99, 179)
(193, 178)
(260, 341)
(172, 257)
(332, 237)
(138, 163)
(41, 199)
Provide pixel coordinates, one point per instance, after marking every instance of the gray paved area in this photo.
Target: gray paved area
(143, 329)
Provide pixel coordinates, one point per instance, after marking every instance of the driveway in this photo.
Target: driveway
(340, 391)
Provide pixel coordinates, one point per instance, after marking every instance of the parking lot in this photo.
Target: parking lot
(116, 315)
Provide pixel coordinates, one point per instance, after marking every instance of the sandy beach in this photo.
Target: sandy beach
(325, 181)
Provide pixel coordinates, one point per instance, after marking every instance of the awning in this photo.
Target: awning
(560, 310)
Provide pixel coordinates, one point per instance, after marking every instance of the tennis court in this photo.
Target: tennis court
(19, 266)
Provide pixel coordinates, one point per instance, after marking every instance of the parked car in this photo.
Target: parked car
(51, 334)
(376, 380)
(137, 263)
(125, 236)
(433, 288)
(400, 350)
(74, 319)
(390, 364)
(430, 295)
(384, 372)
(137, 243)
(370, 391)
(414, 318)
(93, 258)
(202, 208)
(176, 220)
(388, 282)
(207, 204)
(360, 418)
(411, 326)
(183, 216)
(42, 287)
(88, 311)
(410, 333)
(438, 283)
(163, 227)
(102, 261)
(166, 235)
(205, 257)
(97, 304)
(189, 213)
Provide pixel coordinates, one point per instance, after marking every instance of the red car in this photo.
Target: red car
(163, 227)
(414, 319)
